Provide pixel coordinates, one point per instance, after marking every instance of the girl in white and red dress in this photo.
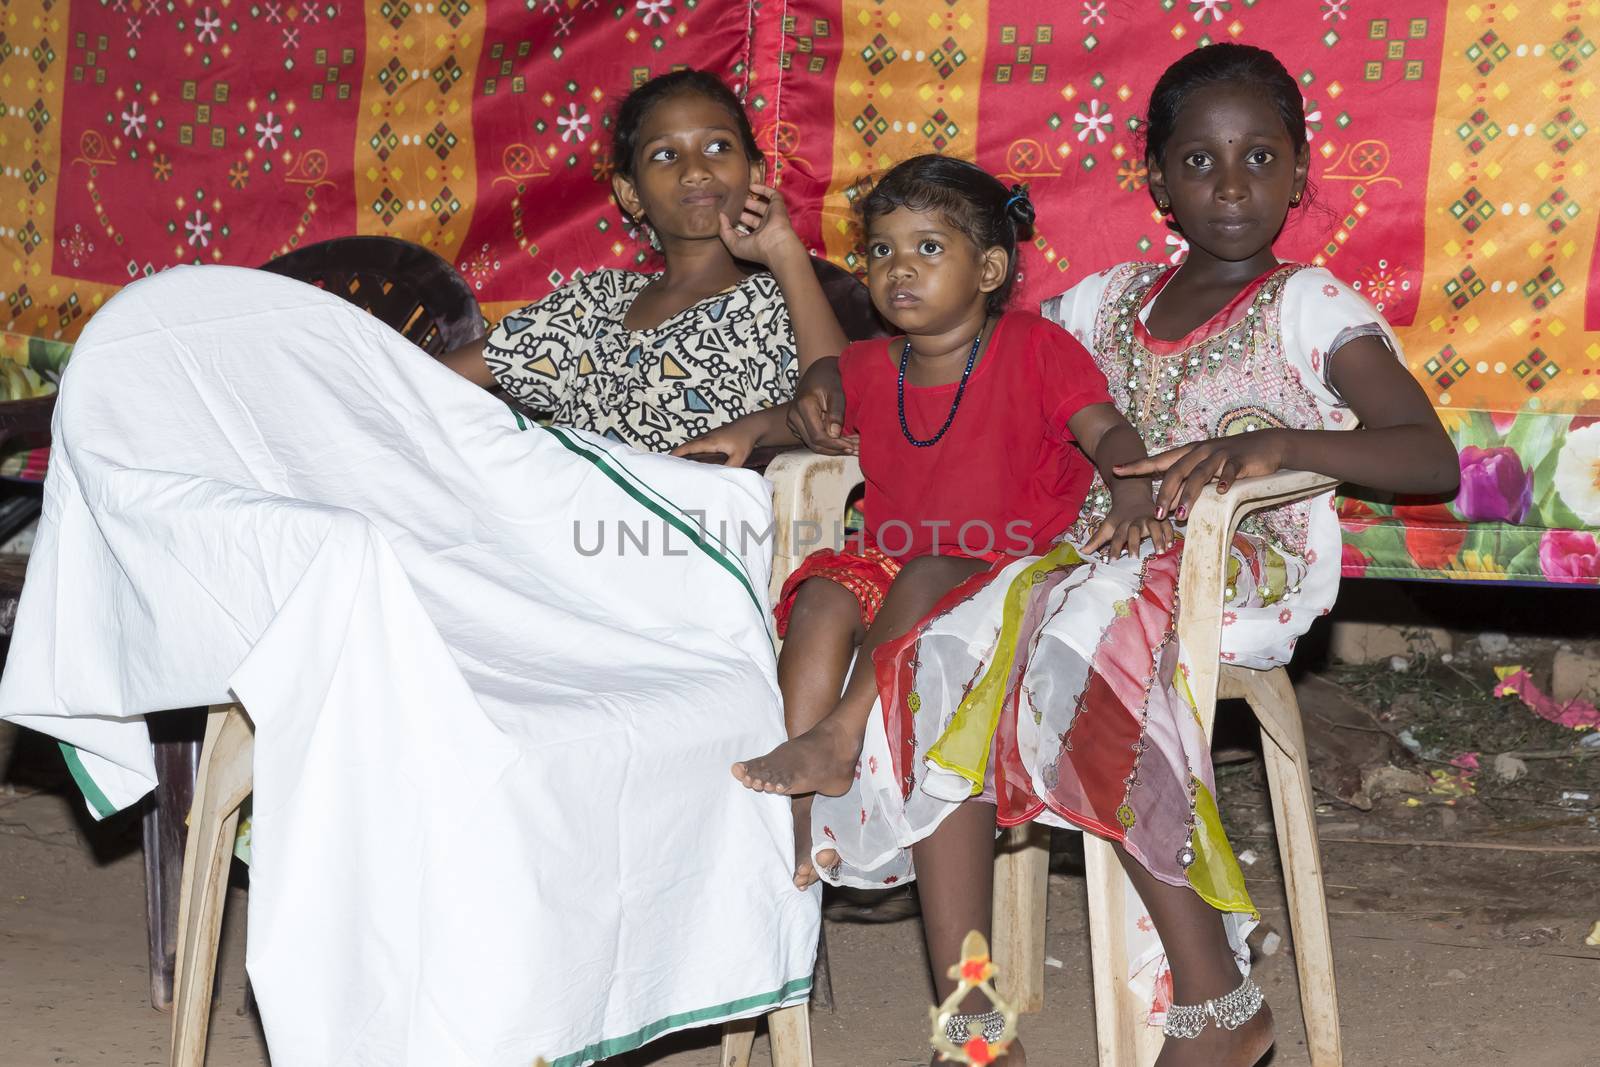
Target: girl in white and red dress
(1230, 365)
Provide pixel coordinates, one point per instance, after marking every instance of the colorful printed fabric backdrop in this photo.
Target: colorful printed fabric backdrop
(1449, 141)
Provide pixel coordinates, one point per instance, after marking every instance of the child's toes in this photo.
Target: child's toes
(748, 778)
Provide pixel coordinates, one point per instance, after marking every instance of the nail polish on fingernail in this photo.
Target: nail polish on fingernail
(1161, 513)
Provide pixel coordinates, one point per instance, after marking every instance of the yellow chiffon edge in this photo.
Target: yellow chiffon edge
(963, 748)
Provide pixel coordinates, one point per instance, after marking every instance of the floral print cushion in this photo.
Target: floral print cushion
(29, 367)
(1527, 509)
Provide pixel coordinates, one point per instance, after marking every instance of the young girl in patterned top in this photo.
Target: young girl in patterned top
(655, 360)
(1230, 365)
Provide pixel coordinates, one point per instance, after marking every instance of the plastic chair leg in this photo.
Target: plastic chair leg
(1119, 1018)
(738, 1039)
(224, 782)
(175, 742)
(790, 1032)
(1271, 697)
(822, 975)
(1021, 889)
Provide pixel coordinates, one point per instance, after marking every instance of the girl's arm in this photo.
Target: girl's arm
(743, 435)
(817, 334)
(816, 415)
(770, 240)
(1400, 447)
(1110, 442)
(468, 362)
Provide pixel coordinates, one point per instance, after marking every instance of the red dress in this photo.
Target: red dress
(1006, 478)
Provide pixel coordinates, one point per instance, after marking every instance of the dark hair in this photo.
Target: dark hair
(968, 197)
(637, 104)
(1226, 63)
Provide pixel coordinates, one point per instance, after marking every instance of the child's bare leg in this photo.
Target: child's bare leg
(955, 873)
(1202, 968)
(823, 759)
(824, 629)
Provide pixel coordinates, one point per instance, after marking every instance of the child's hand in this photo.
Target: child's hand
(1185, 471)
(762, 231)
(1126, 526)
(816, 415)
(733, 441)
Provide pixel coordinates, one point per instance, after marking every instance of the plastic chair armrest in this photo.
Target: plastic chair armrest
(808, 497)
(1203, 579)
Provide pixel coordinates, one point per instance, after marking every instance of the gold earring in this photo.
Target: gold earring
(1164, 206)
(1294, 201)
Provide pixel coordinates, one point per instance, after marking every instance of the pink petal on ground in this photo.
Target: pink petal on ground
(1575, 713)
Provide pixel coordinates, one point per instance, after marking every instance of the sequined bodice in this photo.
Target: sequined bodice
(1233, 380)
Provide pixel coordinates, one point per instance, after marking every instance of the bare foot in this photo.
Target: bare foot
(805, 872)
(1216, 1047)
(827, 859)
(821, 760)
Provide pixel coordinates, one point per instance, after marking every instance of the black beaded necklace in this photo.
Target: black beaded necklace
(905, 360)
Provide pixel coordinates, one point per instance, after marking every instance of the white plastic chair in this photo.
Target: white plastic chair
(809, 492)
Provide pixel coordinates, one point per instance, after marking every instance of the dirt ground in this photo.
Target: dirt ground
(1459, 917)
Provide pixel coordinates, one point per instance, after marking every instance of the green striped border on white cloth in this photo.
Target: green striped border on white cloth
(660, 506)
(791, 992)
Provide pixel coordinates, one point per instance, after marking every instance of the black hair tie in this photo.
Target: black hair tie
(1019, 207)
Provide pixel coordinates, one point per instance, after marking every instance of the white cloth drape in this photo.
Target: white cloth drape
(493, 817)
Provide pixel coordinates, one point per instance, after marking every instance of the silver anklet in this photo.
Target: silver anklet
(990, 1025)
(1229, 1011)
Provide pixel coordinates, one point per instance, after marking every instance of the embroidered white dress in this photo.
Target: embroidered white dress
(1307, 315)
(1054, 688)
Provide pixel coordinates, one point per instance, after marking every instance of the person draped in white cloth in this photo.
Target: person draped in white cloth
(492, 816)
